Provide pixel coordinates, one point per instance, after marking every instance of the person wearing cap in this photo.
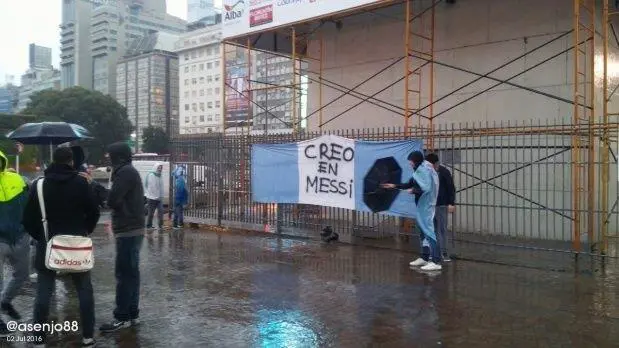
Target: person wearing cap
(126, 199)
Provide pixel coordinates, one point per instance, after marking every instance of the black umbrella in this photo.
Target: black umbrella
(383, 171)
(48, 133)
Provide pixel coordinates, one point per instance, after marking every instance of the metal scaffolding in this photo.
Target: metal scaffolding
(590, 209)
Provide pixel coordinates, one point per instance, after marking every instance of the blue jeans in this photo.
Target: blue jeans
(430, 250)
(46, 282)
(128, 277)
(178, 214)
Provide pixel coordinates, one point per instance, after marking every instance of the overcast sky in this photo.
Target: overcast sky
(23, 22)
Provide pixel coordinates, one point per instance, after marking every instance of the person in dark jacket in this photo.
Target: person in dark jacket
(14, 241)
(126, 199)
(445, 203)
(71, 208)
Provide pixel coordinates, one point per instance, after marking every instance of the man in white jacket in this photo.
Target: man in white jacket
(153, 190)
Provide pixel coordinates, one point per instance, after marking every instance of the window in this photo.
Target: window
(201, 80)
(186, 82)
(216, 63)
(201, 118)
(210, 130)
(216, 77)
(193, 68)
(209, 65)
(201, 53)
(186, 119)
(209, 78)
(186, 107)
(194, 119)
(201, 106)
(193, 81)
(186, 56)
(217, 103)
(209, 91)
(193, 94)
(202, 67)
(187, 69)
(201, 93)
(210, 105)
(194, 107)
(210, 118)
(194, 54)
(187, 94)
(217, 90)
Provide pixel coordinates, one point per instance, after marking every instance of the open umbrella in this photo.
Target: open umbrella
(48, 133)
(384, 170)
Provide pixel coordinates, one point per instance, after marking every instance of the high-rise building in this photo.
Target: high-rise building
(200, 81)
(40, 57)
(37, 80)
(8, 98)
(112, 25)
(200, 10)
(147, 83)
(75, 59)
(273, 111)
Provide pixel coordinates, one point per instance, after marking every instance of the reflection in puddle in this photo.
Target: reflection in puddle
(288, 329)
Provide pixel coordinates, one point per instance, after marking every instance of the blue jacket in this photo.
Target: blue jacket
(13, 197)
(181, 196)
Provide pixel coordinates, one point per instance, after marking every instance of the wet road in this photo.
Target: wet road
(200, 289)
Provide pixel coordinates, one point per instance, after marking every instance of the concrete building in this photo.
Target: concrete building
(40, 57)
(147, 83)
(200, 81)
(75, 58)
(201, 10)
(89, 56)
(7, 98)
(273, 109)
(34, 81)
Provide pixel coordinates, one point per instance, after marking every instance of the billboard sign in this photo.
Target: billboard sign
(237, 103)
(241, 17)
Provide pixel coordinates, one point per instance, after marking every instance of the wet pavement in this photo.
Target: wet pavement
(201, 289)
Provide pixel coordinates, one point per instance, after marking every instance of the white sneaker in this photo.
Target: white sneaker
(33, 277)
(418, 262)
(431, 266)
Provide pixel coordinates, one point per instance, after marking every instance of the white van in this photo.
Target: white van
(145, 167)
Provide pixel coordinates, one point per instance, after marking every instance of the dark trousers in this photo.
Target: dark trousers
(46, 281)
(128, 277)
(155, 204)
(178, 214)
(440, 227)
(430, 249)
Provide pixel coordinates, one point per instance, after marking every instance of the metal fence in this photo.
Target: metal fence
(516, 187)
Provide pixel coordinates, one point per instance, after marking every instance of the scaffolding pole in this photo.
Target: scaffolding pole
(584, 113)
(419, 73)
(295, 126)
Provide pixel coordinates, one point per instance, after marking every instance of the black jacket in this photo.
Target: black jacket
(70, 207)
(446, 188)
(126, 197)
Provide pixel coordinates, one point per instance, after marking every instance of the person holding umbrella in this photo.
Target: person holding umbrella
(424, 185)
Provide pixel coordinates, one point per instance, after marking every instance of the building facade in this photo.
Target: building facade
(34, 81)
(200, 81)
(7, 99)
(40, 57)
(273, 109)
(91, 54)
(147, 84)
(75, 59)
(200, 10)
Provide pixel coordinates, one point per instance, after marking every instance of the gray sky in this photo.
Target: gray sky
(23, 22)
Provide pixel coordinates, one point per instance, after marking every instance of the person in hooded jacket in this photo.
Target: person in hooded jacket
(126, 199)
(153, 184)
(14, 241)
(71, 209)
(180, 196)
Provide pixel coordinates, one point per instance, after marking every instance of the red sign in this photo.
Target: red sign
(261, 15)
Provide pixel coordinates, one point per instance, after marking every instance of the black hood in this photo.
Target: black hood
(79, 157)
(60, 172)
(120, 153)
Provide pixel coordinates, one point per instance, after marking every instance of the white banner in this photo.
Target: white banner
(327, 171)
(241, 17)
